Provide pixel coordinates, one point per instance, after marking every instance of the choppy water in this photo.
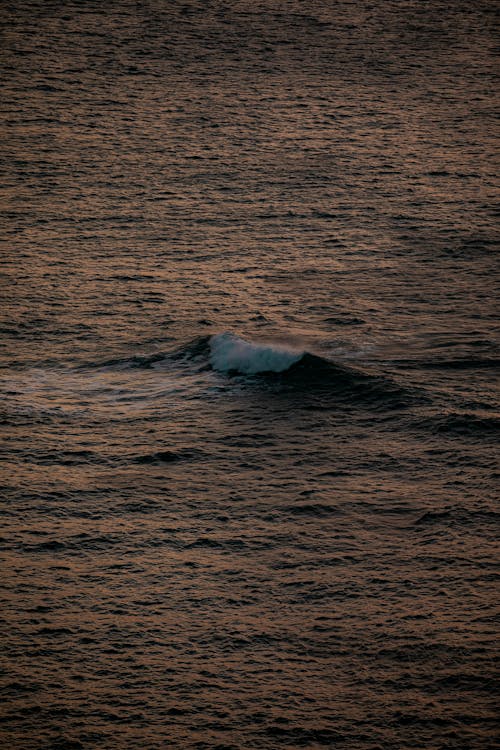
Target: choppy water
(248, 375)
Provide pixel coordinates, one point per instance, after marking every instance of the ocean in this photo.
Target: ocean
(248, 375)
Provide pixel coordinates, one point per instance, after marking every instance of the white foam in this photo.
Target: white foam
(230, 352)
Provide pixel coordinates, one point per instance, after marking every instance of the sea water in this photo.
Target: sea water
(248, 375)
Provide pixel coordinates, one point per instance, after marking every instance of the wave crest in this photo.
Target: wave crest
(230, 353)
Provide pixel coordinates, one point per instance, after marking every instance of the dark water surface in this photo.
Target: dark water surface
(248, 375)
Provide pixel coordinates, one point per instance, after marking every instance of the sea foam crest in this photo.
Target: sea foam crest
(230, 352)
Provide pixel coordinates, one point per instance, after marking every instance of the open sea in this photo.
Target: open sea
(248, 375)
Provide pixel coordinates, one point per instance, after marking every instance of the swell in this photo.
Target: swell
(196, 349)
(314, 374)
(282, 368)
(291, 371)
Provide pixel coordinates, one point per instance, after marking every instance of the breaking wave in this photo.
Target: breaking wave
(230, 353)
(295, 371)
(281, 366)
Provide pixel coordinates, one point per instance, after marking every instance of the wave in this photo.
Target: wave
(466, 363)
(168, 456)
(464, 425)
(457, 515)
(196, 349)
(294, 370)
(280, 366)
(125, 363)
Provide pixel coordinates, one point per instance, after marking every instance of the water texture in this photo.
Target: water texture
(248, 375)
